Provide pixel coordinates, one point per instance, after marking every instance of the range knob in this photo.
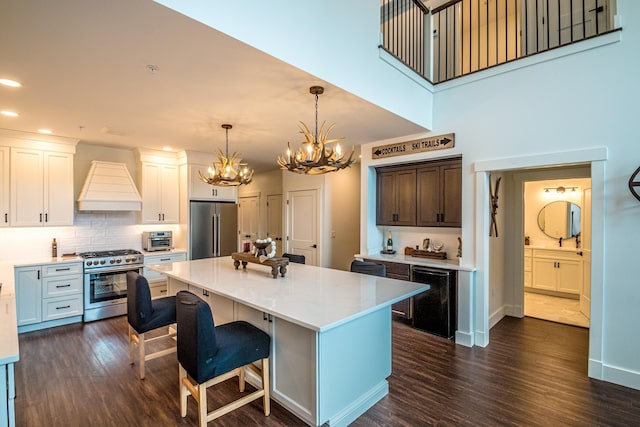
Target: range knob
(119, 260)
(101, 261)
(89, 262)
(112, 261)
(128, 259)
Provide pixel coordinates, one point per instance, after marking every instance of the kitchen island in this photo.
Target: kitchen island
(330, 329)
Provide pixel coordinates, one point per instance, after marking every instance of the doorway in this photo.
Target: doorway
(557, 223)
(595, 158)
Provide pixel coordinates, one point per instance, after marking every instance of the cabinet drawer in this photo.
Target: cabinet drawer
(59, 286)
(164, 258)
(62, 269)
(527, 263)
(395, 270)
(158, 289)
(59, 307)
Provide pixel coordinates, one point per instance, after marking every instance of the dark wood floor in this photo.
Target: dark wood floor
(533, 373)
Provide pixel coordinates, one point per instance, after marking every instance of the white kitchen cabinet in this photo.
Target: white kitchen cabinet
(41, 188)
(200, 190)
(48, 295)
(4, 186)
(160, 193)
(28, 288)
(557, 270)
(157, 281)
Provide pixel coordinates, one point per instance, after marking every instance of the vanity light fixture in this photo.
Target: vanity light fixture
(560, 189)
(227, 171)
(313, 158)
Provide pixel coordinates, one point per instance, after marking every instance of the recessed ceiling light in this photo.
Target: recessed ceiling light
(10, 83)
(45, 131)
(167, 149)
(9, 113)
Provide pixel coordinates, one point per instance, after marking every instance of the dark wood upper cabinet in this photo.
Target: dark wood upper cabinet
(440, 195)
(427, 194)
(396, 196)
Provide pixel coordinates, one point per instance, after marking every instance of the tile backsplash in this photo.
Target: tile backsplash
(91, 231)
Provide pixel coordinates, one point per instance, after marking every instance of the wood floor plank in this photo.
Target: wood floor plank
(533, 373)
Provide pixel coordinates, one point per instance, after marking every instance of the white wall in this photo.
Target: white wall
(342, 230)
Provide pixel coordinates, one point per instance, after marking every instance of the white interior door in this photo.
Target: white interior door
(585, 293)
(302, 224)
(248, 215)
(274, 220)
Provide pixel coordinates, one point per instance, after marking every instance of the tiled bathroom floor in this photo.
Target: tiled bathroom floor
(555, 309)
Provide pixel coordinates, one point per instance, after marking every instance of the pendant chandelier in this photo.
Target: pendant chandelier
(313, 158)
(227, 171)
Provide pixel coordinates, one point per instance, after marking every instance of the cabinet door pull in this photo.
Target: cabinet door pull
(159, 218)
(165, 259)
(40, 217)
(162, 291)
(46, 217)
(163, 217)
(63, 269)
(38, 277)
(63, 307)
(64, 286)
(205, 293)
(6, 217)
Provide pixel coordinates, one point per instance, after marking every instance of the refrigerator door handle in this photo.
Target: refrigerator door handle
(218, 236)
(214, 230)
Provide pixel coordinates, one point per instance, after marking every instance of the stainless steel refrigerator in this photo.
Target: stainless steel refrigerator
(213, 229)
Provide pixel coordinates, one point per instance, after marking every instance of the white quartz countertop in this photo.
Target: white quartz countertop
(314, 297)
(448, 264)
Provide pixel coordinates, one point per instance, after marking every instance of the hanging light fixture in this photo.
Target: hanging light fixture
(313, 158)
(227, 171)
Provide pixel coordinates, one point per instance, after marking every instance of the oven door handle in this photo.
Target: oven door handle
(117, 269)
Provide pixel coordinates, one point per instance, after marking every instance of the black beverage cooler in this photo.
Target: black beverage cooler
(434, 310)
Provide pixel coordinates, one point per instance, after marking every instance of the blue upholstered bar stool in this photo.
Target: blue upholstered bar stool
(144, 315)
(366, 267)
(209, 354)
(300, 259)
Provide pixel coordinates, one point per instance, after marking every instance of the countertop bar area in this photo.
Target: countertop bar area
(331, 329)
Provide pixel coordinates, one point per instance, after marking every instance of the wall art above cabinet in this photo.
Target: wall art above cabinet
(427, 194)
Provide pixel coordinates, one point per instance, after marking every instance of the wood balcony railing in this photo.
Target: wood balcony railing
(465, 36)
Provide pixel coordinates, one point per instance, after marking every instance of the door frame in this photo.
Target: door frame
(597, 157)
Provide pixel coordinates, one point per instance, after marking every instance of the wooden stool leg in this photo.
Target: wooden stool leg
(131, 345)
(141, 355)
(241, 378)
(184, 393)
(202, 405)
(266, 401)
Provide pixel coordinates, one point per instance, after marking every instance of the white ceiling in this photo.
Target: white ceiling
(84, 69)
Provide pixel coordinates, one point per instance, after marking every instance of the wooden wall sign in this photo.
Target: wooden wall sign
(432, 143)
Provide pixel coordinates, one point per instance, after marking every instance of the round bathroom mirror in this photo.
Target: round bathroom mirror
(560, 219)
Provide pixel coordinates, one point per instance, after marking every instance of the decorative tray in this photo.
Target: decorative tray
(277, 264)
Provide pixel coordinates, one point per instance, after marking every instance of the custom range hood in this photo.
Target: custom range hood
(109, 187)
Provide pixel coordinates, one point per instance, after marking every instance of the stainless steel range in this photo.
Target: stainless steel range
(105, 281)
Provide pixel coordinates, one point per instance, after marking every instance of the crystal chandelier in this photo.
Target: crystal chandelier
(227, 171)
(313, 158)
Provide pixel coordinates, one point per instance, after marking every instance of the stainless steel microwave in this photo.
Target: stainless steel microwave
(157, 241)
